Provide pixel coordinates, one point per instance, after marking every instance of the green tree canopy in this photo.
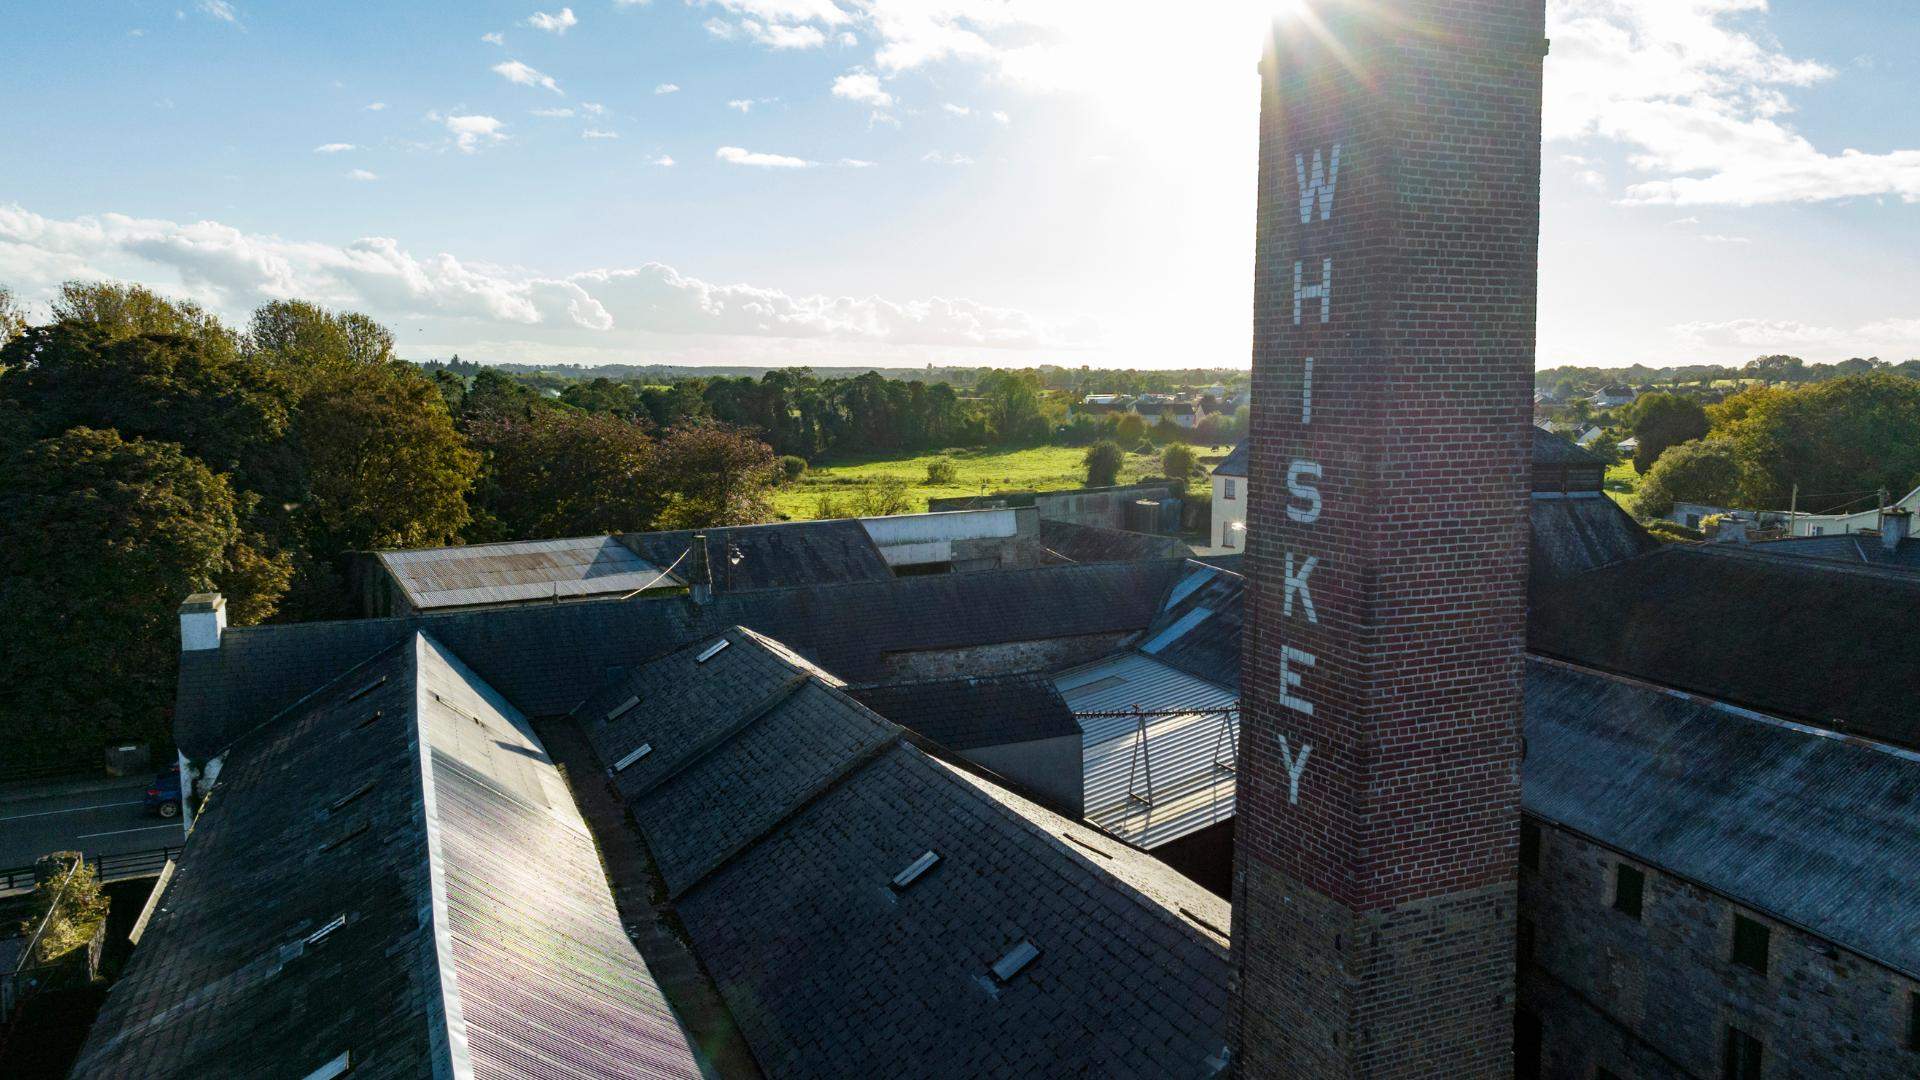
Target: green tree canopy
(1660, 421)
(104, 538)
(1705, 471)
(303, 337)
(1103, 461)
(715, 474)
(1837, 438)
(1179, 462)
(563, 473)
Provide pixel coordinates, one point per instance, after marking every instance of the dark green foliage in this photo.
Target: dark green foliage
(714, 474)
(1179, 462)
(1668, 532)
(1104, 460)
(1837, 439)
(563, 473)
(1706, 471)
(1661, 421)
(792, 468)
(941, 472)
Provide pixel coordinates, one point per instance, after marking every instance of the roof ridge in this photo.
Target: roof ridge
(1830, 566)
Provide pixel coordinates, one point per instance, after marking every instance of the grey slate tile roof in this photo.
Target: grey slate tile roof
(779, 843)
(1852, 549)
(1197, 629)
(1573, 536)
(774, 556)
(1806, 826)
(1554, 449)
(548, 658)
(1806, 639)
(1094, 543)
(479, 938)
(965, 714)
(534, 570)
(1235, 463)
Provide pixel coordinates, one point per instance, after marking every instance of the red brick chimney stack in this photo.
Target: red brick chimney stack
(1395, 292)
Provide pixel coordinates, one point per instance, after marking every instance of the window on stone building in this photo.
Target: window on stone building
(1742, 1060)
(1629, 889)
(1530, 845)
(1750, 940)
(1231, 495)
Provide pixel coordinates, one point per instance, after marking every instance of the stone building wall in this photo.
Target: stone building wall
(1652, 997)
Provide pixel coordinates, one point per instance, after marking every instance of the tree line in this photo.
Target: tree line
(1569, 381)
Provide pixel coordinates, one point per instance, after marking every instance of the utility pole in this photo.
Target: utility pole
(1793, 513)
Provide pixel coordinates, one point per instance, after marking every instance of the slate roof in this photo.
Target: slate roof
(1852, 549)
(775, 556)
(1811, 828)
(1573, 536)
(1806, 639)
(966, 714)
(1235, 463)
(548, 657)
(1197, 629)
(450, 577)
(410, 800)
(1093, 543)
(778, 834)
(1553, 449)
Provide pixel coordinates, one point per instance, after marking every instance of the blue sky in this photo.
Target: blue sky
(912, 181)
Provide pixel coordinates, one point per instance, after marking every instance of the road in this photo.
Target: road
(97, 821)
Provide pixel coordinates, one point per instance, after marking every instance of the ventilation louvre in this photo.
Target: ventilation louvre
(711, 651)
(367, 689)
(638, 752)
(320, 935)
(1016, 960)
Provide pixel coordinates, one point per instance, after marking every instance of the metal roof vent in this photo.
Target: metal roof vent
(367, 689)
(622, 709)
(711, 651)
(639, 752)
(914, 871)
(331, 1069)
(1016, 959)
(321, 934)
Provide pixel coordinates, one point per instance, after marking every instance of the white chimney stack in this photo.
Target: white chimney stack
(203, 618)
(1895, 525)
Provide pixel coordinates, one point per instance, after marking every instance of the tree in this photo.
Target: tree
(384, 466)
(942, 472)
(563, 473)
(1103, 461)
(1179, 462)
(1838, 439)
(114, 310)
(715, 474)
(885, 496)
(1705, 471)
(1014, 404)
(13, 320)
(1660, 421)
(1132, 430)
(792, 468)
(303, 337)
(104, 538)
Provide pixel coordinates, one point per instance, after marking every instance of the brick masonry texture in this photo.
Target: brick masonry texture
(1378, 908)
(1652, 998)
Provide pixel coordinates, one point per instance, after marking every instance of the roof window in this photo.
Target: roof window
(623, 708)
(711, 651)
(639, 752)
(321, 934)
(1016, 959)
(338, 1066)
(914, 871)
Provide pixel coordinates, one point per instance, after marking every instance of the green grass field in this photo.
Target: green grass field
(1043, 468)
(1622, 481)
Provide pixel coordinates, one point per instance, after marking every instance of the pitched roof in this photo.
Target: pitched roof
(396, 872)
(1853, 549)
(778, 837)
(1815, 829)
(549, 657)
(965, 714)
(1197, 629)
(1094, 543)
(450, 577)
(1236, 462)
(1552, 449)
(784, 555)
(1573, 536)
(1807, 639)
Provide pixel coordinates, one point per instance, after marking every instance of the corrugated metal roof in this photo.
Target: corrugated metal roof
(1191, 754)
(1813, 828)
(453, 577)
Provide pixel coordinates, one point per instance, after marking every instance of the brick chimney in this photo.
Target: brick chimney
(1394, 309)
(1896, 524)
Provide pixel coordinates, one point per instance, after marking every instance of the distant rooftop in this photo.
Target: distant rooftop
(437, 579)
(1855, 549)
(1235, 463)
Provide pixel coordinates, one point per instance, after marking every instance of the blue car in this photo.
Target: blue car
(163, 797)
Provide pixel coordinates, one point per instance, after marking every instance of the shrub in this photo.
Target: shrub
(1103, 461)
(942, 472)
(792, 467)
(68, 889)
(1179, 462)
(1668, 532)
(887, 496)
(831, 507)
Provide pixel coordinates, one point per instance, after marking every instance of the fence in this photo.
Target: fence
(106, 868)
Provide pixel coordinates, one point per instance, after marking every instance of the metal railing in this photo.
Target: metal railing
(119, 867)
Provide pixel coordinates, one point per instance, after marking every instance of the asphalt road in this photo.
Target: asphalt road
(106, 821)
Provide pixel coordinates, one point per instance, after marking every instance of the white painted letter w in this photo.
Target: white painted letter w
(1320, 186)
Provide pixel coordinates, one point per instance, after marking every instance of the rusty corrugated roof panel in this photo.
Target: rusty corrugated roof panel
(436, 579)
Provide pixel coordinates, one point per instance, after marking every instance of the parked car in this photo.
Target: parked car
(163, 797)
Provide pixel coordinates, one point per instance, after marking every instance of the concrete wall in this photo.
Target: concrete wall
(1050, 770)
(962, 539)
(1104, 508)
(1653, 997)
(1012, 658)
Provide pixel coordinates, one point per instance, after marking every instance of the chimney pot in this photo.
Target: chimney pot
(1895, 526)
(203, 619)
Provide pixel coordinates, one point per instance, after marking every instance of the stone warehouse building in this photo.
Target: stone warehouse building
(1514, 790)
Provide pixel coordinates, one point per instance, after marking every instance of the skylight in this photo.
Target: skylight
(914, 870)
(1016, 959)
(1172, 633)
(1186, 587)
(711, 651)
(623, 708)
(331, 1069)
(320, 935)
(639, 752)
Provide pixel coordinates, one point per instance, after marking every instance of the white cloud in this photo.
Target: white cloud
(957, 110)
(742, 104)
(666, 88)
(664, 161)
(938, 158)
(551, 114)
(776, 36)
(232, 272)
(376, 106)
(333, 148)
(593, 108)
(631, 3)
(596, 133)
(1685, 221)
(721, 29)
(855, 163)
(558, 23)
(516, 72)
(495, 38)
(1002, 118)
(847, 39)
(219, 9)
(862, 86)
(876, 118)
(788, 11)
(471, 132)
(1696, 92)
(362, 174)
(734, 155)
(1716, 238)
(1894, 339)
